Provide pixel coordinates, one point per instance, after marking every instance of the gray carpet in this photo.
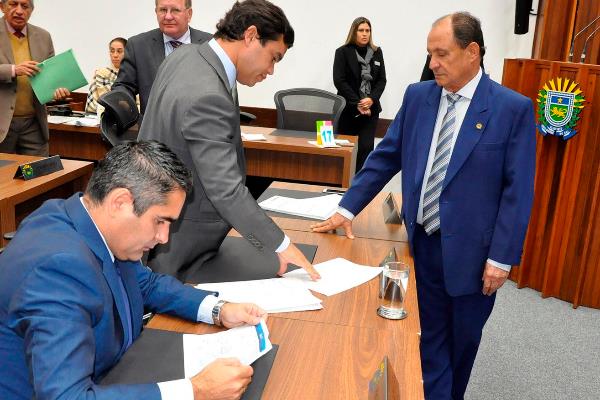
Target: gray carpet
(536, 348)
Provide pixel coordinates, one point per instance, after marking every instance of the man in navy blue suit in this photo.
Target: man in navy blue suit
(73, 289)
(466, 149)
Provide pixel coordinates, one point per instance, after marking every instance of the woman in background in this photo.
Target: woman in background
(359, 76)
(105, 77)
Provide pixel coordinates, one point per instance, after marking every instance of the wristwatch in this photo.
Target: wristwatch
(216, 312)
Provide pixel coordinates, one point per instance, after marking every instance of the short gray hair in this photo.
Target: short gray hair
(188, 3)
(30, 2)
(148, 169)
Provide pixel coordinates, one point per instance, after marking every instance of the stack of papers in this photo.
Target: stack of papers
(246, 343)
(337, 275)
(273, 295)
(253, 137)
(321, 207)
(91, 120)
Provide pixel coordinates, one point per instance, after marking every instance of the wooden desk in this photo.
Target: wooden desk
(368, 224)
(18, 198)
(278, 158)
(332, 353)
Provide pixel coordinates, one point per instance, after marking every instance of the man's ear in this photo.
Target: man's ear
(473, 51)
(118, 201)
(250, 34)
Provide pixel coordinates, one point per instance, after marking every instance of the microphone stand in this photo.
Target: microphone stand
(579, 33)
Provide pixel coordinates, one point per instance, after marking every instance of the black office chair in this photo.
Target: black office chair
(120, 114)
(299, 109)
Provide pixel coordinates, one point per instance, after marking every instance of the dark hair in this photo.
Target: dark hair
(269, 20)
(148, 169)
(351, 38)
(119, 39)
(466, 29)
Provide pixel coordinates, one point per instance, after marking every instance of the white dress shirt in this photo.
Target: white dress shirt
(186, 38)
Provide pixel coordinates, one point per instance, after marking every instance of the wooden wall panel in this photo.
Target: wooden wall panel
(562, 244)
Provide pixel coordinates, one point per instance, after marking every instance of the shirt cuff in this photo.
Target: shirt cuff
(284, 245)
(14, 71)
(345, 213)
(180, 389)
(505, 267)
(205, 309)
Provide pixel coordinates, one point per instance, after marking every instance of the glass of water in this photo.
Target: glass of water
(394, 281)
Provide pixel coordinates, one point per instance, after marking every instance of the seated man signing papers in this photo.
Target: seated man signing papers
(73, 289)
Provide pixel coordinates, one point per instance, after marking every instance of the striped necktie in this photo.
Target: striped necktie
(443, 152)
(175, 43)
(18, 34)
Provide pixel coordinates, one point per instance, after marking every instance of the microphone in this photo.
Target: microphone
(582, 59)
(579, 33)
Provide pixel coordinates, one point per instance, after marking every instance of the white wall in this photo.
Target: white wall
(400, 27)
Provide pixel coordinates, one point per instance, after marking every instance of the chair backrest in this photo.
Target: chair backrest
(120, 114)
(299, 109)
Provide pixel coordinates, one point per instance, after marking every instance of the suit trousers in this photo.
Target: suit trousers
(364, 127)
(451, 326)
(25, 137)
(191, 244)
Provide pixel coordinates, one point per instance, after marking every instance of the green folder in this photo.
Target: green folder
(59, 71)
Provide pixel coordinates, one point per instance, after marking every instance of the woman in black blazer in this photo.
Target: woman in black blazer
(359, 76)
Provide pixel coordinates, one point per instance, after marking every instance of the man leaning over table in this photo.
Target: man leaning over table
(466, 149)
(23, 120)
(73, 289)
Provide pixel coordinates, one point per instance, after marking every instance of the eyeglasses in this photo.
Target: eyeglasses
(176, 12)
(15, 4)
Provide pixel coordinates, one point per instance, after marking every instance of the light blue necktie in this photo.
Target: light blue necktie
(443, 152)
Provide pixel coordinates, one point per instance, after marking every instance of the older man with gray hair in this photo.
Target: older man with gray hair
(23, 121)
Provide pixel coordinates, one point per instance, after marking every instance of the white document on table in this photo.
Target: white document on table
(272, 295)
(321, 207)
(337, 275)
(246, 343)
(91, 120)
(253, 137)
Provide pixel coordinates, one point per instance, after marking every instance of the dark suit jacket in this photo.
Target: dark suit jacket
(488, 189)
(346, 78)
(191, 110)
(143, 55)
(41, 48)
(61, 311)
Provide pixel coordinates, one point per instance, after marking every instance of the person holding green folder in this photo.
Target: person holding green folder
(23, 119)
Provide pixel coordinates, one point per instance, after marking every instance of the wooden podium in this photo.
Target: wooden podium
(561, 256)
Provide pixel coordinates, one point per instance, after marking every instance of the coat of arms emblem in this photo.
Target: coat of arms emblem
(559, 106)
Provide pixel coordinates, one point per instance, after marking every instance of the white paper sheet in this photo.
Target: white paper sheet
(272, 295)
(253, 137)
(246, 343)
(91, 120)
(321, 207)
(314, 143)
(337, 275)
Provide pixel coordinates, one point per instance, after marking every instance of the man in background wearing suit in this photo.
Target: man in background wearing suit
(23, 120)
(73, 289)
(193, 109)
(145, 52)
(466, 149)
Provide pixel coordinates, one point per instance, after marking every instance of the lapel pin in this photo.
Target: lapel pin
(479, 126)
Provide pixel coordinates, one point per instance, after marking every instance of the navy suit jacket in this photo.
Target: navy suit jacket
(143, 55)
(488, 190)
(61, 311)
